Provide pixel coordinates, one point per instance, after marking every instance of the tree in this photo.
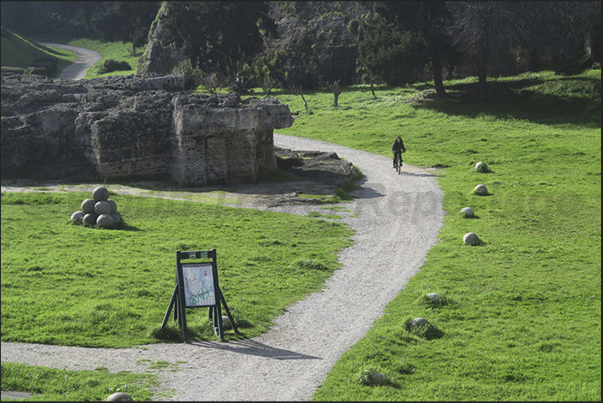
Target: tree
(383, 49)
(126, 21)
(427, 20)
(218, 36)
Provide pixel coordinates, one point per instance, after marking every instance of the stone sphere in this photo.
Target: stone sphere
(77, 216)
(470, 238)
(100, 194)
(119, 397)
(116, 217)
(433, 296)
(90, 218)
(467, 212)
(482, 167)
(378, 378)
(419, 322)
(102, 207)
(88, 206)
(481, 190)
(105, 220)
(113, 205)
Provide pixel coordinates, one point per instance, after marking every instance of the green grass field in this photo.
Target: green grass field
(521, 319)
(521, 313)
(75, 285)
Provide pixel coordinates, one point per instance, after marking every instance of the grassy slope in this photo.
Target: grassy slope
(522, 313)
(20, 52)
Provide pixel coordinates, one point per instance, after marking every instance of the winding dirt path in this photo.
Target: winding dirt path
(86, 58)
(396, 219)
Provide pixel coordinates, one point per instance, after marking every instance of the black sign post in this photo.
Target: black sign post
(197, 287)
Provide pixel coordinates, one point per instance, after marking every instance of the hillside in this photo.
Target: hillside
(18, 51)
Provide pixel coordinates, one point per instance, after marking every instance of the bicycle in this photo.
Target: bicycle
(398, 162)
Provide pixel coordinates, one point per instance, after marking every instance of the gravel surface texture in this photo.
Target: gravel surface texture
(85, 59)
(396, 219)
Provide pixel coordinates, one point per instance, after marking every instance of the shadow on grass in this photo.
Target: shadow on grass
(515, 100)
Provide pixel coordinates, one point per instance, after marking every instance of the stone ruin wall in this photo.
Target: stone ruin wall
(120, 127)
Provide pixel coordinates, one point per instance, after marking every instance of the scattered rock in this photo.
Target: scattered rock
(119, 397)
(482, 167)
(419, 322)
(379, 379)
(481, 190)
(433, 296)
(467, 212)
(470, 238)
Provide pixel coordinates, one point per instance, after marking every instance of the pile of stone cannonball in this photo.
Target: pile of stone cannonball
(99, 210)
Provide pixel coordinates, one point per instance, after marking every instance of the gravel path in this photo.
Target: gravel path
(86, 58)
(396, 219)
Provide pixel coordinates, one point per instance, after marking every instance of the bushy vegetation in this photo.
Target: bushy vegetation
(111, 65)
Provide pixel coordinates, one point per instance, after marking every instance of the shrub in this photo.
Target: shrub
(111, 65)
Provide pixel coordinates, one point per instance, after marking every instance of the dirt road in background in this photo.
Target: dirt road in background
(86, 58)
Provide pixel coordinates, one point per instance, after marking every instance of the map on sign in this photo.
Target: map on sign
(198, 285)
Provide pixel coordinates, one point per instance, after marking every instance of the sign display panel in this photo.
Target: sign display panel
(198, 285)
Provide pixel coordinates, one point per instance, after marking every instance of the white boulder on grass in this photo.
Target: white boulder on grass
(467, 212)
(481, 190)
(482, 167)
(119, 397)
(433, 296)
(470, 238)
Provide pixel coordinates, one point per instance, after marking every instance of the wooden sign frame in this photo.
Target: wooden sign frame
(197, 286)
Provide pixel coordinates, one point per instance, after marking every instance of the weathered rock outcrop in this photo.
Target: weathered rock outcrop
(129, 126)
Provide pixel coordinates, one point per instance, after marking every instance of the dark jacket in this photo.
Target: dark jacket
(398, 147)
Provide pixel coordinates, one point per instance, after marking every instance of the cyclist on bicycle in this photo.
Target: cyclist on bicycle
(398, 149)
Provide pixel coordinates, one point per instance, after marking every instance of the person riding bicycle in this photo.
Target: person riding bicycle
(398, 149)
